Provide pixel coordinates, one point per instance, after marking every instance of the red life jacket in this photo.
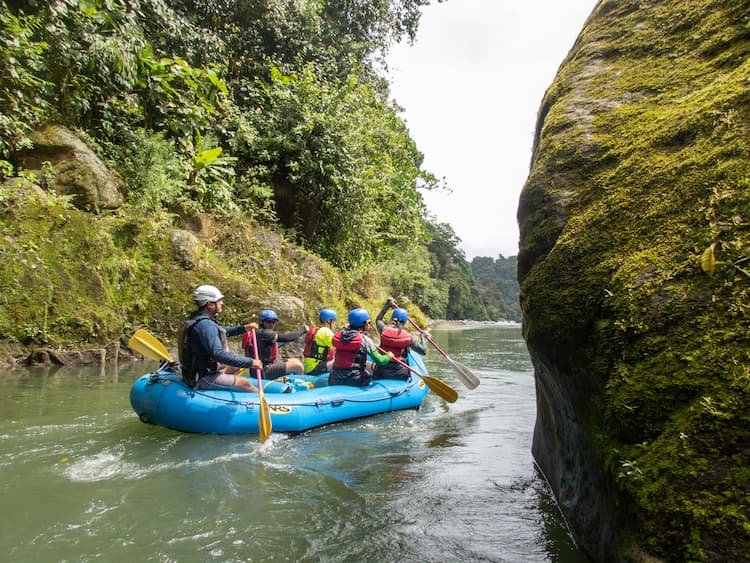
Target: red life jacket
(395, 340)
(313, 349)
(349, 352)
(267, 355)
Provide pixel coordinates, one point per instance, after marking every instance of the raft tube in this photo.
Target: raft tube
(295, 403)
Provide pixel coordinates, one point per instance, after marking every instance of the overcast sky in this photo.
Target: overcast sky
(470, 87)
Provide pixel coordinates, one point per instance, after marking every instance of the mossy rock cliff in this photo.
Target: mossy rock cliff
(75, 281)
(634, 267)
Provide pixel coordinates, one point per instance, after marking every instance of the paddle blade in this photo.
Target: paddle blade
(440, 388)
(147, 345)
(470, 380)
(464, 374)
(264, 420)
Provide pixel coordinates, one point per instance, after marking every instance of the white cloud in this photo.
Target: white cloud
(470, 88)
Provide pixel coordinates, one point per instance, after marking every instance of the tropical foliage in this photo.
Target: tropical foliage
(270, 109)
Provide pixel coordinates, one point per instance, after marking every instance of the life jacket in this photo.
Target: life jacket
(395, 340)
(266, 354)
(315, 350)
(350, 354)
(193, 363)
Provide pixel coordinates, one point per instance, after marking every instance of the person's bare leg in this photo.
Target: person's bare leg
(293, 365)
(245, 384)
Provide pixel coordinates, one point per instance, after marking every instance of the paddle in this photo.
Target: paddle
(470, 380)
(147, 345)
(440, 388)
(464, 374)
(264, 417)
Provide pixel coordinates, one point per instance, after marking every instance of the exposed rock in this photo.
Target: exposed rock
(640, 341)
(186, 248)
(77, 170)
(289, 306)
(202, 224)
(49, 357)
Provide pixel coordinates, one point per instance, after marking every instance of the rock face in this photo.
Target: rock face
(76, 170)
(634, 267)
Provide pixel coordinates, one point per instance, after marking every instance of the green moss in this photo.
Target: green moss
(74, 279)
(642, 161)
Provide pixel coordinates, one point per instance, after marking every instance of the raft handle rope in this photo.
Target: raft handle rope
(156, 377)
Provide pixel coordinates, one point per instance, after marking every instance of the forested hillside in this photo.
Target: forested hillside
(498, 286)
(263, 112)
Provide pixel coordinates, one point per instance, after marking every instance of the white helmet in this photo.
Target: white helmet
(205, 294)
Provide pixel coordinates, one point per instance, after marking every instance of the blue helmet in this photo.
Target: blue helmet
(327, 315)
(400, 315)
(358, 317)
(267, 315)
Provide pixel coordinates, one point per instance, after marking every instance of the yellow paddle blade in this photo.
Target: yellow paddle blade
(147, 345)
(440, 388)
(264, 420)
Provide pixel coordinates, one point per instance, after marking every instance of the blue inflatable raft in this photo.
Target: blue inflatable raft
(295, 403)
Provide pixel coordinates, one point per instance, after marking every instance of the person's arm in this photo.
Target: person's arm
(242, 329)
(208, 333)
(289, 336)
(375, 355)
(379, 319)
(380, 325)
(235, 330)
(235, 360)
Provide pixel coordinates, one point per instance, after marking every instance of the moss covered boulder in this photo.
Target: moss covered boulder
(634, 266)
(68, 166)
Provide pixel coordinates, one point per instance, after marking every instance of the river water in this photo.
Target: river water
(82, 479)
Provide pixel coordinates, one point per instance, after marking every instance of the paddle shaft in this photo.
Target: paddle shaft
(399, 361)
(440, 388)
(264, 418)
(427, 336)
(464, 374)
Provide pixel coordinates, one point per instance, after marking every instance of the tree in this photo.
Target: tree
(450, 265)
(498, 286)
(341, 164)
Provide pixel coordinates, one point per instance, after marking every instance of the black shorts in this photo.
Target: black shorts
(274, 370)
(391, 370)
(349, 377)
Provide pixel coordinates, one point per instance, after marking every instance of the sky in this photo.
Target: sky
(471, 86)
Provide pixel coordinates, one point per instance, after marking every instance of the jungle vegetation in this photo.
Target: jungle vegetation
(266, 112)
(498, 286)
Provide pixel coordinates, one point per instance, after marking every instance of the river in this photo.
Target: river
(83, 479)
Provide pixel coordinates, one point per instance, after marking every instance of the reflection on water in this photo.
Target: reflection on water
(84, 479)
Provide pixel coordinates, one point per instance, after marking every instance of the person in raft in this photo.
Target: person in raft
(353, 348)
(318, 355)
(394, 338)
(268, 346)
(202, 346)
